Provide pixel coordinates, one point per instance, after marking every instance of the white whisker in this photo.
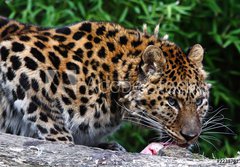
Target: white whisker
(224, 133)
(139, 123)
(208, 142)
(216, 114)
(212, 125)
(145, 119)
(217, 126)
(211, 138)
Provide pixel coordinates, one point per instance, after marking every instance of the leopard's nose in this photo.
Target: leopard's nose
(188, 136)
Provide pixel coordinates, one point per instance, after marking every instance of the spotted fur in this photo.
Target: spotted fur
(77, 83)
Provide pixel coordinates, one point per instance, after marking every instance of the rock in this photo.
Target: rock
(23, 151)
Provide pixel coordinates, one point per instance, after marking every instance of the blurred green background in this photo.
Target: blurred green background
(215, 24)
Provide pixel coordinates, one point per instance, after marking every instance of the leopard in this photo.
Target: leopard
(77, 83)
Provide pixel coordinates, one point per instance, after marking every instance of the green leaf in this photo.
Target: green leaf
(169, 12)
(214, 6)
(144, 7)
(227, 43)
(235, 32)
(237, 45)
(218, 39)
(82, 9)
(124, 14)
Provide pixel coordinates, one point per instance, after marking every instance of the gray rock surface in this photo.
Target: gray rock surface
(23, 151)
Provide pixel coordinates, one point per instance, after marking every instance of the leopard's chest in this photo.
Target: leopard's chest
(100, 117)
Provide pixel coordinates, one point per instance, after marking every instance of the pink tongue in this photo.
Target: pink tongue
(152, 148)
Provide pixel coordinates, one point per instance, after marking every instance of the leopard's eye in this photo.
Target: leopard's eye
(199, 101)
(173, 102)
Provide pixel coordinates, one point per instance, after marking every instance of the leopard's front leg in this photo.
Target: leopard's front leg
(49, 122)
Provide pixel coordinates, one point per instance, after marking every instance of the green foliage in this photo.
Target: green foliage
(213, 23)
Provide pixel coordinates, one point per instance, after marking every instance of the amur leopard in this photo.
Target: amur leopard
(76, 84)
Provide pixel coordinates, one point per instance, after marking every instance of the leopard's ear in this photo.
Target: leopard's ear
(196, 54)
(153, 59)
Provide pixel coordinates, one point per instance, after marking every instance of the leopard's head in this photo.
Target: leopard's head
(171, 93)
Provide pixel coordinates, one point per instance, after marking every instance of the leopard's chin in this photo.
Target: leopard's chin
(181, 143)
(184, 145)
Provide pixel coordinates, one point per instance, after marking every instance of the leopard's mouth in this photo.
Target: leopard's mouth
(178, 141)
(183, 145)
